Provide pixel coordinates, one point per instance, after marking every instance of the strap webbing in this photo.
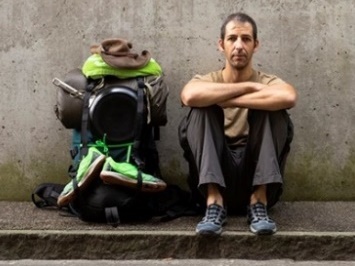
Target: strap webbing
(83, 132)
(112, 216)
(85, 119)
(46, 195)
(139, 127)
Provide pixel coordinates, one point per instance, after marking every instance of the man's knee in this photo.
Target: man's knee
(213, 112)
(197, 119)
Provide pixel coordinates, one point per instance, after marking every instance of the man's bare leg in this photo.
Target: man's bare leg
(259, 195)
(214, 195)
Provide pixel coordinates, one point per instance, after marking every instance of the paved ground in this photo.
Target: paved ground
(308, 231)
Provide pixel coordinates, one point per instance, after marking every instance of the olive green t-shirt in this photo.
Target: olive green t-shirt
(235, 119)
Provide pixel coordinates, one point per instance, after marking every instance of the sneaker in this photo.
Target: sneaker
(125, 174)
(258, 220)
(212, 223)
(89, 168)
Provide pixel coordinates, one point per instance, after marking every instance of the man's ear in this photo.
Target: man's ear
(220, 45)
(256, 45)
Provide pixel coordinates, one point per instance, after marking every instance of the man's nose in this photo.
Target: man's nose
(238, 44)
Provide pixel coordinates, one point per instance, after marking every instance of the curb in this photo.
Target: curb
(141, 245)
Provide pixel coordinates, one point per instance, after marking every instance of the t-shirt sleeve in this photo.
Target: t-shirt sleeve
(198, 77)
(271, 80)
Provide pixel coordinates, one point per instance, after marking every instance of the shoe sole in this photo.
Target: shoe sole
(93, 171)
(209, 233)
(263, 232)
(114, 178)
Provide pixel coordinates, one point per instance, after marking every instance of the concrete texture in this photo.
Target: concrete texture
(306, 231)
(172, 262)
(307, 43)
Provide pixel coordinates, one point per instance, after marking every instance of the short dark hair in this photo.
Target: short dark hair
(241, 17)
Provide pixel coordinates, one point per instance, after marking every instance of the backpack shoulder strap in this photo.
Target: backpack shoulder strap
(85, 118)
(112, 216)
(46, 194)
(140, 110)
(72, 171)
(138, 130)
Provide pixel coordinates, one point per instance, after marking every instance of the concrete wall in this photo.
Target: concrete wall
(310, 44)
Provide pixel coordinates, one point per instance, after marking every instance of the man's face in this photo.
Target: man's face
(238, 44)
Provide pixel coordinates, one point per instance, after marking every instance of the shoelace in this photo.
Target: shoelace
(101, 144)
(214, 214)
(258, 212)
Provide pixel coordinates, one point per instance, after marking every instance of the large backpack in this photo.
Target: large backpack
(116, 111)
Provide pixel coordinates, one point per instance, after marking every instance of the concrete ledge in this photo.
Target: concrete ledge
(306, 231)
(118, 245)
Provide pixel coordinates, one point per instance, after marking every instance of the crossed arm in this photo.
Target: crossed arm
(250, 95)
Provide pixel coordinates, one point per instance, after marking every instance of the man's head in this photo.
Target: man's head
(238, 40)
(240, 17)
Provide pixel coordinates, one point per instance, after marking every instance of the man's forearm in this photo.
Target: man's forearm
(202, 93)
(271, 98)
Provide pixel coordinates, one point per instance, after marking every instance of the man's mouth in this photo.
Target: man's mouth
(238, 56)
